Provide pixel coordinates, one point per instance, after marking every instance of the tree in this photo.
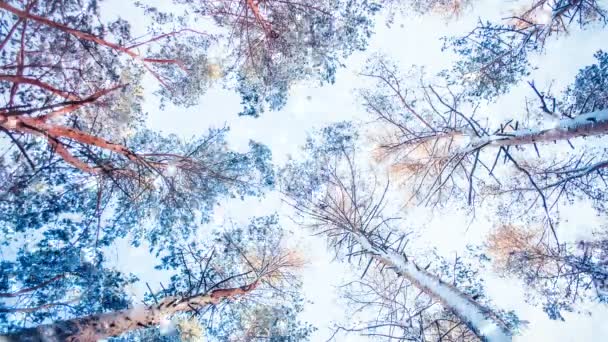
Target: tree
(46, 282)
(79, 149)
(393, 309)
(560, 277)
(209, 278)
(82, 171)
(273, 44)
(495, 56)
(443, 153)
(335, 200)
(72, 86)
(158, 205)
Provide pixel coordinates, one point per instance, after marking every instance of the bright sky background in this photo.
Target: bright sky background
(410, 41)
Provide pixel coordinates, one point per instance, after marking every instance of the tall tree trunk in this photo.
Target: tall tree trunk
(588, 124)
(96, 327)
(484, 323)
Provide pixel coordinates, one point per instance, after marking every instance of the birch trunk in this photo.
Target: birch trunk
(101, 326)
(486, 325)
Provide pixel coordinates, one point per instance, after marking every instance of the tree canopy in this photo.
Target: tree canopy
(222, 231)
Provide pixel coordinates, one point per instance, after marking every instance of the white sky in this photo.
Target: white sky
(409, 41)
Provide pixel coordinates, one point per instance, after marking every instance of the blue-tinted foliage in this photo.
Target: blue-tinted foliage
(165, 208)
(491, 61)
(302, 177)
(589, 92)
(75, 283)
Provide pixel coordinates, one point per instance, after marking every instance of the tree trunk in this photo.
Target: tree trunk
(486, 325)
(589, 124)
(96, 327)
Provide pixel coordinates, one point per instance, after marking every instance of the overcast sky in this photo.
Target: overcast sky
(410, 41)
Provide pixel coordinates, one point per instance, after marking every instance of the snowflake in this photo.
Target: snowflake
(12, 284)
(214, 71)
(10, 123)
(74, 293)
(154, 212)
(158, 183)
(171, 170)
(166, 326)
(88, 255)
(282, 327)
(39, 187)
(218, 217)
(56, 244)
(544, 16)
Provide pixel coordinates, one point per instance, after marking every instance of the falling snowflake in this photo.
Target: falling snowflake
(171, 170)
(218, 216)
(214, 71)
(282, 327)
(56, 244)
(88, 255)
(471, 76)
(10, 123)
(40, 187)
(74, 293)
(158, 183)
(154, 212)
(544, 16)
(18, 316)
(320, 194)
(554, 123)
(166, 326)
(74, 217)
(130, 293)
(30, 248)
(89, 184)
(127, 132)
(12, 284)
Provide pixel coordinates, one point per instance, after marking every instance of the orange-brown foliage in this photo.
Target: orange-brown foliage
(509, 240)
